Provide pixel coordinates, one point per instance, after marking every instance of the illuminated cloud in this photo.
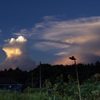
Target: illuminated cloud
(79, 37)
(61, 54)
(17, 54)
(15, 47)
(12, 52)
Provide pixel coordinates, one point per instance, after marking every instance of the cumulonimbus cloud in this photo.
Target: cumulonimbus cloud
(16, 47)
(79, 37)
(17, 54)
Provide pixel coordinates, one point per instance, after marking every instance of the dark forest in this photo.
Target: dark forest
(32, 78)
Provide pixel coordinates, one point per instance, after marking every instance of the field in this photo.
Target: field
(90, 90)
(38, 96)
(73, 89)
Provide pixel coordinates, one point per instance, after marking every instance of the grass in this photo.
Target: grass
(23, 96)
(34, 96)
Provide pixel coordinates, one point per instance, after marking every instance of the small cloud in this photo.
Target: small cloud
(48, 18)
(23, 32)
(21, 39)
(61, 54)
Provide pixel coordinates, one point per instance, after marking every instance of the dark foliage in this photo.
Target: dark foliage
(31, 78)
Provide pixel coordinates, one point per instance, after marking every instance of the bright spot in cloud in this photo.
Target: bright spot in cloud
(21, 39)
(61, 54)
(12, 52)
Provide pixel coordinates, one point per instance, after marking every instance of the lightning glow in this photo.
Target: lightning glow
(12, 52)
(17, 54)
(15, 47)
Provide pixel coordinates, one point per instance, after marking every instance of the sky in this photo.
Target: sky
(54, 29)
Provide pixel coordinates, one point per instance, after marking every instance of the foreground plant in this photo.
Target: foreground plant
(79, 91)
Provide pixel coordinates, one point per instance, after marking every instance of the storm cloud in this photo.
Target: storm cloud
(17, 53)
(16, 47)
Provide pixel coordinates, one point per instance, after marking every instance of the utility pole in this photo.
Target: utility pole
(40, 74)
(32, 79)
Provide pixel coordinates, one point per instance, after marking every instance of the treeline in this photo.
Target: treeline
(51, 72)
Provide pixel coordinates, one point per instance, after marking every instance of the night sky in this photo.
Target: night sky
(54, 29)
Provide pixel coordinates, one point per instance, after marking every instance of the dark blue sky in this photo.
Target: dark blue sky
(25, 13)
(16, 15)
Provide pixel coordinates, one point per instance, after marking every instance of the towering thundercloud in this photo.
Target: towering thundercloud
(17, 54)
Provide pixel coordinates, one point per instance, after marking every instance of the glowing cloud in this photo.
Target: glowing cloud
(15, 47)
(11, 52)
(21, 39)
(17, 54)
